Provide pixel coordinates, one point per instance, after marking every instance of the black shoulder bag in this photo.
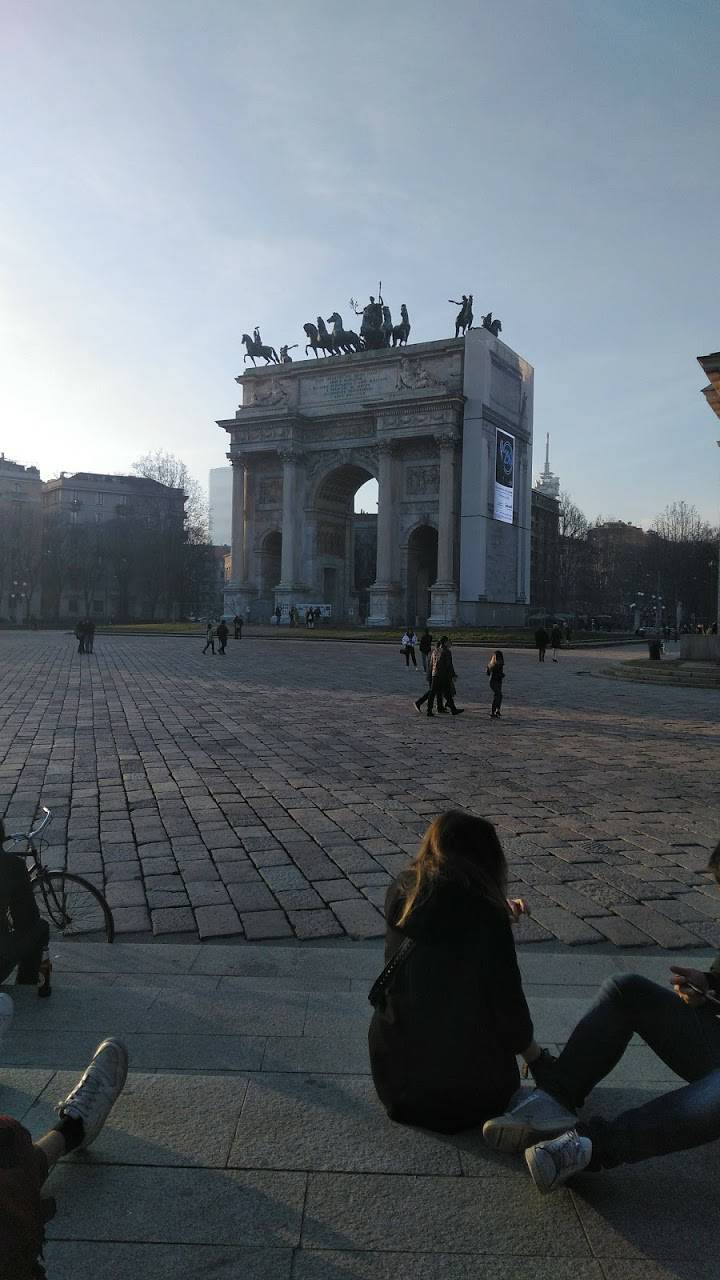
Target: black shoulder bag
(378, 987)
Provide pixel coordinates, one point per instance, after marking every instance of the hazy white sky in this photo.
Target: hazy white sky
(177, 171)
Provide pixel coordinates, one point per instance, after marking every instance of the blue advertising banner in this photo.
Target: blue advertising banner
(504, 476)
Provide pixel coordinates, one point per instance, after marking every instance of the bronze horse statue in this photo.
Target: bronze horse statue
(253, 349)
(493, 326)
(401, 332)
(318, 337)
(344, 340)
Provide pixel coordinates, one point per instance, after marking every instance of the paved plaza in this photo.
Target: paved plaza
(272, 793)
(249, 1145)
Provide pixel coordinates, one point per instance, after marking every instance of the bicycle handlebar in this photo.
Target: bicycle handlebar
(30, 835)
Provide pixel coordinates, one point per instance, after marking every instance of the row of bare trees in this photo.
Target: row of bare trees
(606, 568)
(164, 564)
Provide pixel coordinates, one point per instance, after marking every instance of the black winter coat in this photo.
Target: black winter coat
(443, 1043)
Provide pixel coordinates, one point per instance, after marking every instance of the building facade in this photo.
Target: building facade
(20, 540)
(220, 505)
(545, 547)
(445, 428)
(710, 366)
(111, 545)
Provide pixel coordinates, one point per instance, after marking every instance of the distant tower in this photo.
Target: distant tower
(548, 483)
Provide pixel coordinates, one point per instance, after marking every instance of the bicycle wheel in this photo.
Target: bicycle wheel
(73, 907)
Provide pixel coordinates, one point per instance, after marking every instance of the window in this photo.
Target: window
(73, 604)
(98, 517)
(97, 606)
(100, 498)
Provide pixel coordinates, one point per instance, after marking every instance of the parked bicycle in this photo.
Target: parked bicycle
(72, 906)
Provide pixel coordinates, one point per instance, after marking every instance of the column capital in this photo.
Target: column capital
(388, 447)
(291, 454)
(447, 439)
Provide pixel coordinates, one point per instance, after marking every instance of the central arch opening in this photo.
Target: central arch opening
(270, 562)
(422, 556)
(345, 543)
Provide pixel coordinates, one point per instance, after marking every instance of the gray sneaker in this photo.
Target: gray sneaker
(532, 1114)
(97, 1089)
(552, 1163)
(6, 1014)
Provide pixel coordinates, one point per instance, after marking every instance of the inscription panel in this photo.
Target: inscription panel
(345, 387)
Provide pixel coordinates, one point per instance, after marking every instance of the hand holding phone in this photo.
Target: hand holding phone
(517, 907)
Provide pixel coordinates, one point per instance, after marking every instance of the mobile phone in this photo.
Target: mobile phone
(711, 999)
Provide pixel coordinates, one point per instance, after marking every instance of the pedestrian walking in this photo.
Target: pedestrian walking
(449, 1021)
(237, 626)
(309, 619)
(425, 647)
(222, 635)
(89, 635)
(541, 640)
(555, 641)
(277, 615)
(442, 681)
(496, 675)
(80, 636)
(430, 675)
(407, 646)
(210, 634)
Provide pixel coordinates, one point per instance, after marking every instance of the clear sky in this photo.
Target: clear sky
(176, 171)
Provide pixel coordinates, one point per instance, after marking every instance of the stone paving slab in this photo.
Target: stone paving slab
(206, 802)
(287, 1166)
(79, 1260)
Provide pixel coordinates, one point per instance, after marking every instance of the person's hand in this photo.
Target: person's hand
(683, 981)
(517, 907)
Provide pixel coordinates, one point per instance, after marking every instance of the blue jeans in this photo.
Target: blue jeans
(686, 1039)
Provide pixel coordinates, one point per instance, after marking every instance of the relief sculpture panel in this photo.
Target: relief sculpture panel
(270, 491)
(330, 539)
(422, 481)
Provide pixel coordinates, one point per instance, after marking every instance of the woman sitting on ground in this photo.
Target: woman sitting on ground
(444, 1037)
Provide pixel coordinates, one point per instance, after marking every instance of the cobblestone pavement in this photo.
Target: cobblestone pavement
(275, 791)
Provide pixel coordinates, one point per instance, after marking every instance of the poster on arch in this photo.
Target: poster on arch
(504, 476)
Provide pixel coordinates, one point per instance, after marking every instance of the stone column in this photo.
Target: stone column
(444, 592)
(240, 592)
(385, 591)
(239, 559)
(287, 587)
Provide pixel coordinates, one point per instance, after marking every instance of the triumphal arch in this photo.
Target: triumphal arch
(446, 430)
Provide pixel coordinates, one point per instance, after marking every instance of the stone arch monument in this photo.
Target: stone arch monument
(446, 430)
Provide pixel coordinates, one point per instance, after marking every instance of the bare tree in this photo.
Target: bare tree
(683, 560)
(169, 470)
(572, 552)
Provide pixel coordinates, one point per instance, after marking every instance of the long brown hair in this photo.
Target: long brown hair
(460, 849)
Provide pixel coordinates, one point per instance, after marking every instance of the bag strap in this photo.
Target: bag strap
(381, 983)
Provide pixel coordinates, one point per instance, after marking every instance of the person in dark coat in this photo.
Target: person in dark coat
(222, 635)
(238, 626)
(556, 641)
(442, 686)
(425, 646)
(444, 1038)
(496, 674)
(23, 933)
(541, 639)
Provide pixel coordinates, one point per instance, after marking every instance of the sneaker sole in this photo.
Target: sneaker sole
(513, 1139)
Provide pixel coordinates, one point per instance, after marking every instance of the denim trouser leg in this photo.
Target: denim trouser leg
(687, 1040)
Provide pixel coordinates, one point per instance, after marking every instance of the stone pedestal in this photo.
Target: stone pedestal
(444, 601)
(238, 597)
(385, 605)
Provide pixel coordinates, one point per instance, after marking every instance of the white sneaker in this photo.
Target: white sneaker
(552, 1163)
(532, 1114)
(6, 1014)
(97, 1089)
